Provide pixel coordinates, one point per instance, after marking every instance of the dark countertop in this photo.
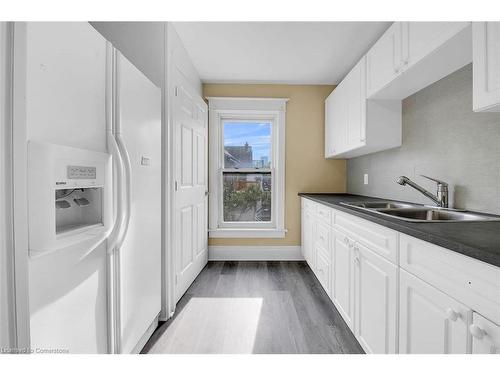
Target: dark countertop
(479, 240)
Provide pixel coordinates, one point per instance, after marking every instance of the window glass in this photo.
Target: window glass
(247, 196)
(247, 144)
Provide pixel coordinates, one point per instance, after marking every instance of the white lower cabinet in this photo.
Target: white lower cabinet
(376, 301)
(431, 322)
(399, 294)
(485, 335)
(343, 276)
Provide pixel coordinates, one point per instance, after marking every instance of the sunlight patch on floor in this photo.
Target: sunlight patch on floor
(213, 325)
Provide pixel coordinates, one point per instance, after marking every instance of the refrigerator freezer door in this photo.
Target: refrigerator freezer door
(139, 103)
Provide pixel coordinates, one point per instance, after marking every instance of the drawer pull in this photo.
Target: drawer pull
(477, 331)
(452, 314)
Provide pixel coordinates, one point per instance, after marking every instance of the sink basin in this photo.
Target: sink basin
(381, 205)
(420, 213)
(433, 215)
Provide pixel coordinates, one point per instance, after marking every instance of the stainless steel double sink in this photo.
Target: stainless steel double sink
(420, 213)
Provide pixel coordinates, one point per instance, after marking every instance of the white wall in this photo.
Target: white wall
(178, 58)
(140, 42)
(144, 43)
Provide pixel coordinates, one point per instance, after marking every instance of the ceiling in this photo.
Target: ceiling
(277, 52)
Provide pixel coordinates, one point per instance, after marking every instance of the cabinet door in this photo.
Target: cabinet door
(485, 335)
(323, 269)
(343, 276)
(383, 60)
(329, 121)
(375, 301)
(356, 122)
(307, 236)
(486, 66)
(340, 119)
(431, 322)
(421, 38)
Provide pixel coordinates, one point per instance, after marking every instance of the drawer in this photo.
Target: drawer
(322, 236)
(324, 214)
(379, 239)
(323, 270)
(470, 281)
(309, 205)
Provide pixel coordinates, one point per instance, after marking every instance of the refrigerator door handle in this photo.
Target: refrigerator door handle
(127, 206)
(119, 217)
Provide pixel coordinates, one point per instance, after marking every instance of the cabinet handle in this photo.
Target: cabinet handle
(346, 241)
(477, 331)
(358, 262)
(452, 314)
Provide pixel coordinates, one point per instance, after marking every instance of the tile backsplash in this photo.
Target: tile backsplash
(442, 138)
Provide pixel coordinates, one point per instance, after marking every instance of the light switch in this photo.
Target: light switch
(365, 179)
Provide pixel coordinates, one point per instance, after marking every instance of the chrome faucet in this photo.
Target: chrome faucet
(441, 197)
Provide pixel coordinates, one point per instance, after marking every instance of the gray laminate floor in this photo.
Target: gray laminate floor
(254, 307)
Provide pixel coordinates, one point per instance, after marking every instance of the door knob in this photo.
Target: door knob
(452, 314)
(477, 331)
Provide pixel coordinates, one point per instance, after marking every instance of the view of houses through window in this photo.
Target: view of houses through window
(247, 173)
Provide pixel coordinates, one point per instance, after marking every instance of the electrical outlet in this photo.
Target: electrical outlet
(365, 179)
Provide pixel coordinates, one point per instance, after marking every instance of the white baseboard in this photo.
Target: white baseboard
(255, 253)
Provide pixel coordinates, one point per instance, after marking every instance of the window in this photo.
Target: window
(246, 167)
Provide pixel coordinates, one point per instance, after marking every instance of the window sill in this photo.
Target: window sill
(246, 233)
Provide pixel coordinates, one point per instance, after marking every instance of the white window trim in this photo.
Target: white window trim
(271, 109)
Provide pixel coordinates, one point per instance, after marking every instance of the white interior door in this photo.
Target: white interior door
(190, 141)
(140, 255)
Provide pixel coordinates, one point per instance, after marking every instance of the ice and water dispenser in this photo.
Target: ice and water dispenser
(69, 197)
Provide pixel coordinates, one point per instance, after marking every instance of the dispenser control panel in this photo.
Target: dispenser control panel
(77, 172)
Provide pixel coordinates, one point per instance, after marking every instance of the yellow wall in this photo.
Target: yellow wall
(306, 166)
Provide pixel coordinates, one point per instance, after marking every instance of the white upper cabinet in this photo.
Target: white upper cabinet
(384, 59)
(413, 55)
(363, 114)
(355, 126)
(486, 66)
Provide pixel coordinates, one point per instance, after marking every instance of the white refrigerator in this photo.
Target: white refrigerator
(93, 132)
